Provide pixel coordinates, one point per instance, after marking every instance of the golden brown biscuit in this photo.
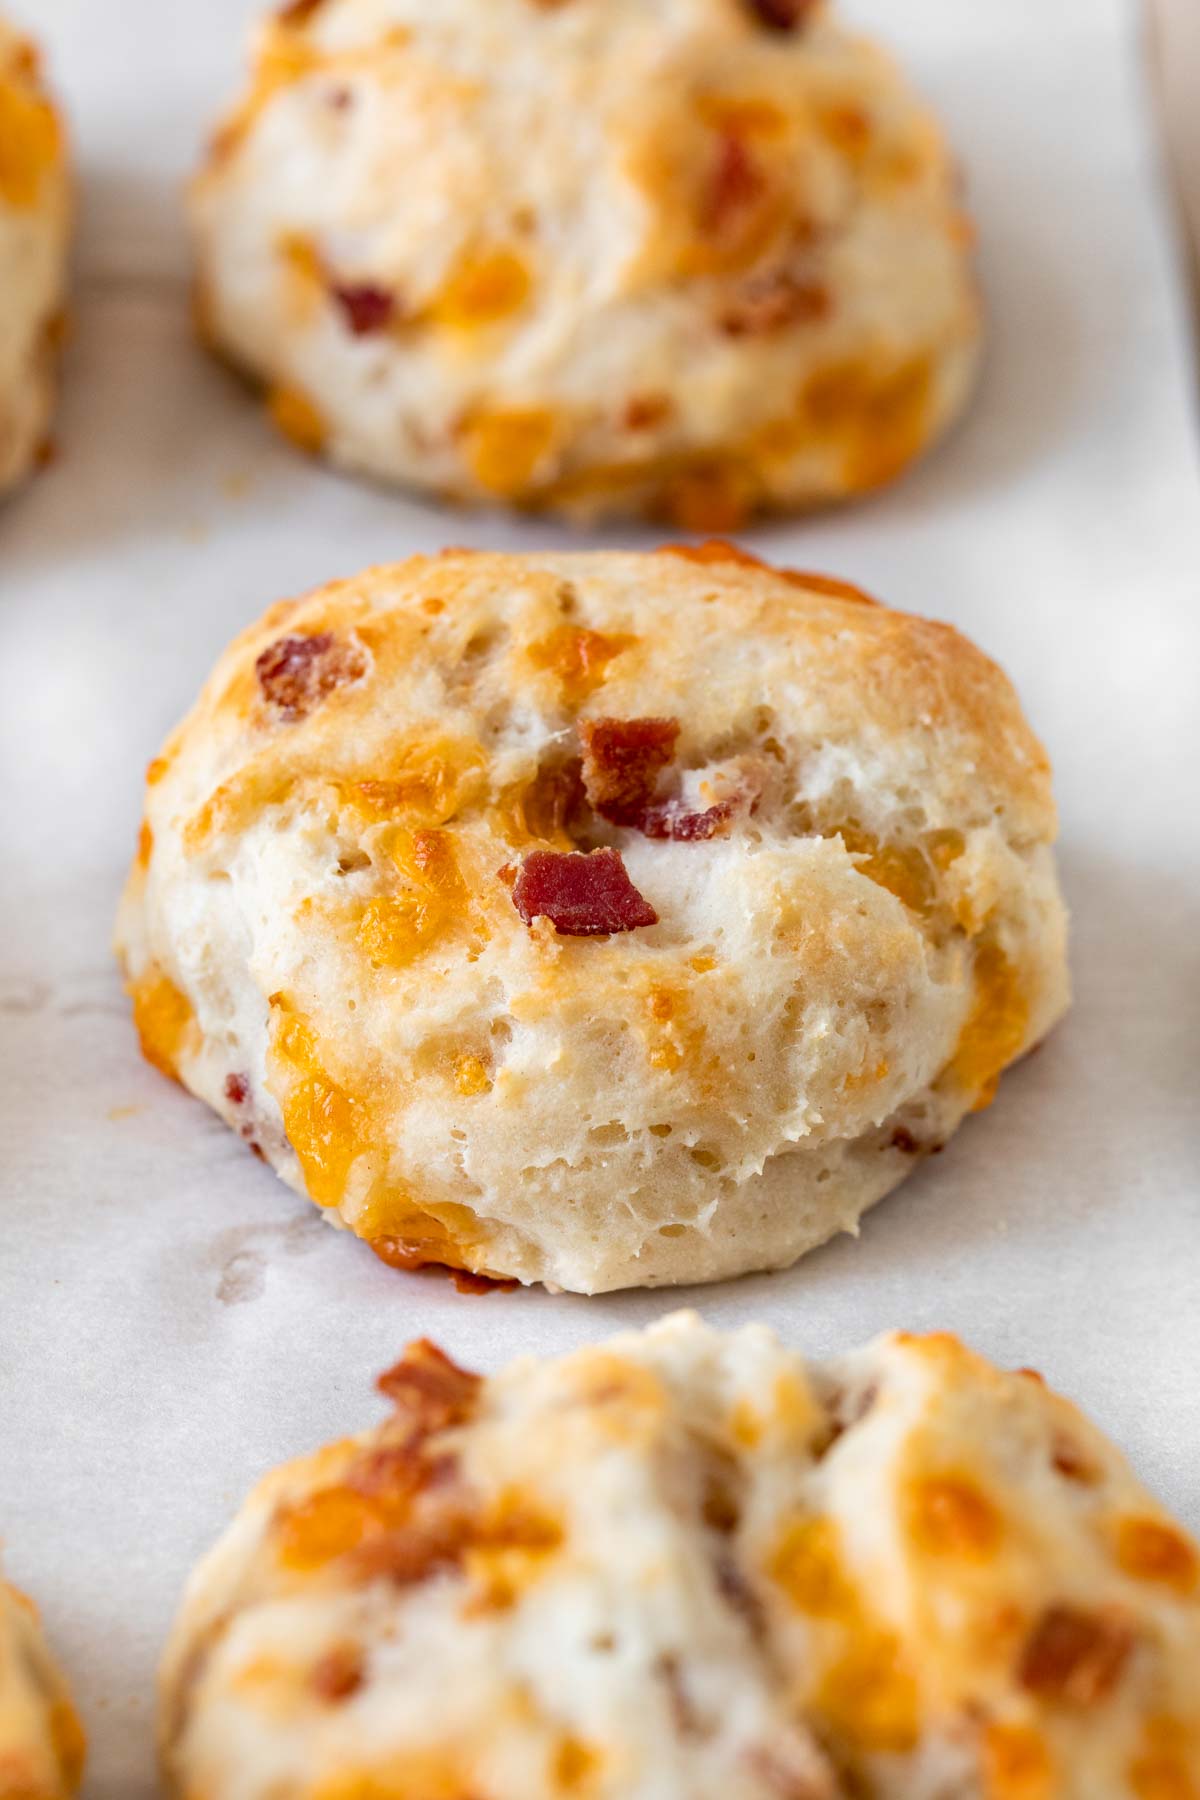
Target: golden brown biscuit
(694, 259)
(41, 1742)
(34, 220)
(599, 919)
(683, 1565)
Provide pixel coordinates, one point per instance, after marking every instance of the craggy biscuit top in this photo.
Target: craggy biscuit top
(34, 207)
(684, 1563)
(41, 1743)
(694, 258)
(525, 910)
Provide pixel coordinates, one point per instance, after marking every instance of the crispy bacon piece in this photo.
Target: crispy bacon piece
(582, 896)
(1074, 1655)
(237, 1089)
(366, 309)
(774, 301)
(622, 761)
(296, 673)
(411, 1554)
(737, 183)
(338, 1673)
(428, 1389)
(672, 819)
(782, 15)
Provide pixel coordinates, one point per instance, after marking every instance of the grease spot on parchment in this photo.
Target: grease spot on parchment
(21, 994)
(243, 1255)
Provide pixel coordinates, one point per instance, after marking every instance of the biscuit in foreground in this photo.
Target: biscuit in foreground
(596, 257)
(34, 222)
(685, 1565)
(600, 920)
(41, 1742)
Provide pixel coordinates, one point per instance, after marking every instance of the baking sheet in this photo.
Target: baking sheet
(172, 1320)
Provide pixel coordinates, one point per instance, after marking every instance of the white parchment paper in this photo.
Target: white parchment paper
(172, 1320)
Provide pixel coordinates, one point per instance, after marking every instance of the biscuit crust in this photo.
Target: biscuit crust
(686, 1563)
(41, 1742)
(34, 224)
(693, 260)
(337, 929)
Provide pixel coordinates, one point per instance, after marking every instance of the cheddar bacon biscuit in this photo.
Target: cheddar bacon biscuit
(683, 1565)
(597, 920)
(34, 219)
(694, 259)
(41, 1743)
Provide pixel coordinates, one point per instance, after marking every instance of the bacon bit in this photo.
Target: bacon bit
(411, 1555)
(1072, 1464)
(686, 1720)
(296, 673)
(236, 1089)
(737, 183)
(671, 819)
(622, 760)
(1075, 1656)
(737, 1593)
(772, 302)
(582, 896)
(396, 1471)
(367, 309)
(338, 1674)
(903, 1139)
(429, 1390)
(645, 411)
(782, 15)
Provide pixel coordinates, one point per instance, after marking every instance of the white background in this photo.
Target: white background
(172, 1320)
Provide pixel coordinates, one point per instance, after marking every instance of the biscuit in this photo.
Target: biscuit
(595, 919)
(693, 260)
(41, 1743)
(34, 221)
(683, 1564)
